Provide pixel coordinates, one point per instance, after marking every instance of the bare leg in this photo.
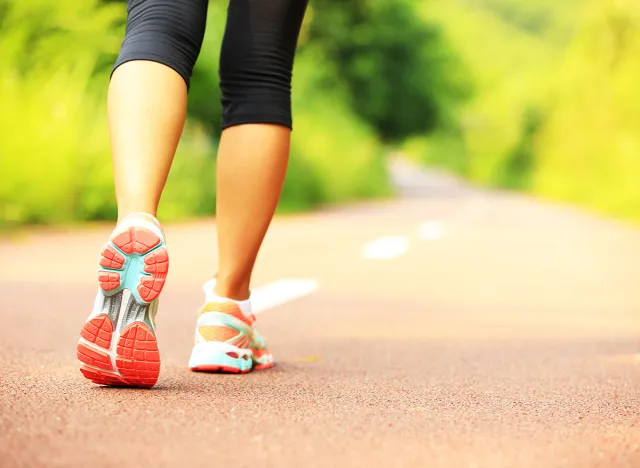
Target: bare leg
(256, 65)
(252, 162)
(148, 96)
(147, 109)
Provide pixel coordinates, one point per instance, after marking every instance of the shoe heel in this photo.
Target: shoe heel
(118, 347)
(220, 358)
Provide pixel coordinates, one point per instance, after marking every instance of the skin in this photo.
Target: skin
(252, 162)
(147, 105)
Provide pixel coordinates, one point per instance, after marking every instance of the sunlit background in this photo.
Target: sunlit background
(539, 96)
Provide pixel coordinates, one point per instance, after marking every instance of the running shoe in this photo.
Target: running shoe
(226, 340)
(118, 344)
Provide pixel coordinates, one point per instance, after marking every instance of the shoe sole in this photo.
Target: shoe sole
(222, 358)
(118, 344)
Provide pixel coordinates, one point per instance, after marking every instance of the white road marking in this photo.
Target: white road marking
(280, 292)
(432, 230)
(385, 248)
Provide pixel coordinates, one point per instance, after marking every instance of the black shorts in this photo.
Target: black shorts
(257, 54)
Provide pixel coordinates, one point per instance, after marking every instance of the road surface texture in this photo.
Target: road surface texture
(485, 329)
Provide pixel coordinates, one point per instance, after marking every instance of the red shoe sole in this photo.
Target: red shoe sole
(137, 359)
(220, 370)
(136, 260)
(268, 365)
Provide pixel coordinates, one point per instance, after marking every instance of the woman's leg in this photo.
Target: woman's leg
(148, 96)
(147, 105)
(143, 147)
(255, 77)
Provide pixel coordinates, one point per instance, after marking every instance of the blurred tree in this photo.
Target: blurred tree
(398, 71)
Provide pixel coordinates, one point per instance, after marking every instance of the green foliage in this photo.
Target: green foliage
(523, 95)
(399, 73)
(511, 69)
(49, 137)
(589, 148)
(54, 151)
(335, 156)
(519, 165)
(204, 95)
(191, 187)
(554, 108)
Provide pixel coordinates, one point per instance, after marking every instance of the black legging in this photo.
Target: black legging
(256, 58)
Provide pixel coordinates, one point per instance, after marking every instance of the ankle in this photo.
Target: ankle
(232, 288)
(125, 210)
(140, 215)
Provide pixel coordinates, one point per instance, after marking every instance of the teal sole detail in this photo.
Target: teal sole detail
(132, 272)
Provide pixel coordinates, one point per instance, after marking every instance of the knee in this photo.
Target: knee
(169, 32)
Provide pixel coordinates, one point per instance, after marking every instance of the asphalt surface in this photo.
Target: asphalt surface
(506, 335)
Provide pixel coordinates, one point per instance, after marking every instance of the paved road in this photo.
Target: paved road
(501, 332)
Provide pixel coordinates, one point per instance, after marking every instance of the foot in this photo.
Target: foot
(226, 339)
(118, 343)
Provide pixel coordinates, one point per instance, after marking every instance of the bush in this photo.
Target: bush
(335, 156)
(510, 63)
(54, 150)
(589, 148)
(554, 108)
(52, 140)
(399, 73)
